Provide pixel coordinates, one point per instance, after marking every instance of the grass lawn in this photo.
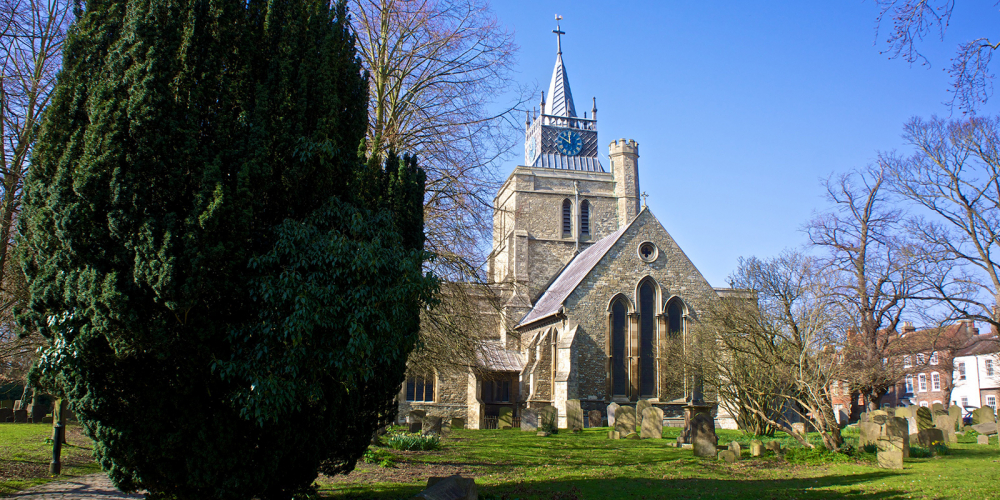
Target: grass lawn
(25, 455)
(519, 465)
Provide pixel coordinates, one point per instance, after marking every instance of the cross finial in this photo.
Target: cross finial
(644, 196)
(559, 33)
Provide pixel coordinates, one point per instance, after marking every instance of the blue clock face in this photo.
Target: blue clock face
(569, 143)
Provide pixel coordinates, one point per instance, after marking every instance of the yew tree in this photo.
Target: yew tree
(229, 291)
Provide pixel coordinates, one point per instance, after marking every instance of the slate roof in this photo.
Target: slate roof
(979, 345)
(560, 98)
(571, 276)
(569, 163)
(494, 357)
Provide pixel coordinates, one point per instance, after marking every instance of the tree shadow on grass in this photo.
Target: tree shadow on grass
(853, 486)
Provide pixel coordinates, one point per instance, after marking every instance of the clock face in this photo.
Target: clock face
(530, 149)
(569, 143)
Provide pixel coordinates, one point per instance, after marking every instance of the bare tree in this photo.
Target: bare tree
(912, 20)
(955, 175)
(872, 273)
(31, 51)
(781, 347)
(438, 69)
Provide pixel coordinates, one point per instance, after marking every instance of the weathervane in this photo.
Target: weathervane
(644, 196)
(559, 32)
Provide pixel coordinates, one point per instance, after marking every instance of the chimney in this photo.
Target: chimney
(970, 326)
(908, 327)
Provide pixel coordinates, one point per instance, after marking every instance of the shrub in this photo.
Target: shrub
(413, 442)
(378, 456)
(919, 452)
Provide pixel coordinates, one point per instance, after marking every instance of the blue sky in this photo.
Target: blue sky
(740, 109)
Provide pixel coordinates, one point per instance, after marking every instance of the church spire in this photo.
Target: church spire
(560, 97)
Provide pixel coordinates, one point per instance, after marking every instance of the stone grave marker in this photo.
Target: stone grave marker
(890, 411)
(594, 418)
(975, 416)
(612, 409)
(956, 415)
(659, 415)
(898, 427)
(614, 435)
(20, 416)
(432, 425)
(982, 439)
(937, 407)
(756, 448)
(633, 435)
(736, 449)
(652, 426)
(506, 418)
(457, 423)
(912, 424)
(868, 433)
(728, 456)
(449, 488)
(529, 420)
(947, 427)
(574, 415)
(625, 420)
(985, 428)
(640, 406)
(880, 417)
(927, 436)
(6, 415)
(799, 428)
(703, 436)
(925, 420)
(774, 446)
(548, 418)
(890, 452)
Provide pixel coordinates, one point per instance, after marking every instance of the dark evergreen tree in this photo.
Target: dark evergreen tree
(229, 291)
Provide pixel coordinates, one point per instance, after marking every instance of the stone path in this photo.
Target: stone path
(89, 487)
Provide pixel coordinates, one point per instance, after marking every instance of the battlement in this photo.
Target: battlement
(623, 146)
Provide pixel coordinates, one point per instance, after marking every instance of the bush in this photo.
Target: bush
(413, 442)
(383, 458)
(920, 452)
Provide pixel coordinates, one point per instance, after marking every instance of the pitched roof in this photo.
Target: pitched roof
(494, 357)
(560, 98)
(980, 344)
(571, 276)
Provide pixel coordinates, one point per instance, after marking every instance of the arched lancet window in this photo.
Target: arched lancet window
(619, 341)
(675, 317)
(567, 218)
(647, 339)
(585, 218)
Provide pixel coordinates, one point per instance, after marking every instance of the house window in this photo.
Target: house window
(961, 371)
(922, 382)
(567, 213)
(906, 362)
(920, 358)
(647, 339)
(934, 358)
(965, 401)
(585, 218)
(991, 401)
(420, 388)
(909, 384)
(923, 403)
(619, 341)
(989, 367)
(935, 381)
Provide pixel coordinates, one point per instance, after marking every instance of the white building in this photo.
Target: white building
(977, 373)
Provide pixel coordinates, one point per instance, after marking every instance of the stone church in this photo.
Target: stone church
(596, 299)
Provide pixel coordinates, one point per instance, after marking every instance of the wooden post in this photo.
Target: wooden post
(58, 436)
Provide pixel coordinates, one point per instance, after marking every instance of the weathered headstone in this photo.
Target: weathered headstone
(20, 416)
(457, 423)
(728, 456)
(912, 424)
(868, 433)
(632, 435)
(956, 416)
(799, 428)
(926, 437)
(774, 446)
(983, 415)
(640, 406)
(703, 435)
(890, 411)
(449, 488)
(529, 420)
(982, 439)
(612, 408)
(937, 407)
(625, 420)
(432, 425)
(659, 416)
(506, 418)
(985, 428)
(594, 418)
(890, 452)
(548, 418)
(756, 448)
(947, 427)
(925, 420)
(652, 426)
(614, 435)
(574, 415)
(880, 417)
(736, 449)
(898, 427)
(975, 416)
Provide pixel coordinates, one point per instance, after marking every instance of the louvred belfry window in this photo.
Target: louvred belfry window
(585, 218)
(567, 218)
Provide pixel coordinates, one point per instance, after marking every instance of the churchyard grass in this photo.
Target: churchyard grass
(519, 465)
(26, 450)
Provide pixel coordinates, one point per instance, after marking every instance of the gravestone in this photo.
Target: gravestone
(799, 427)
(924, 419)
(614, 435)
(529, 420)
(574, 415)
(703, 435)
(594, 418)
(880, 417)
(612, 409)
(947, 427)
(890, 411)
(506, 418)
(415, 420)
(728, 456)
(432, 425)
(981, 439)
(652, 426)
(659, 415)
(640, 406)
(633, 435)
(937, 408)
(736, 449)
(983, 415)
(415, 426)
(898, 427)
(625, 420)
(890, 452)
(975, 416)
(868, 433)
(449, 488)
(20, 416)
(543, 434)
(6, 415)
(756, 448)
(458, 423)
(774, 446)
(912, 424)
(956, 415)
(985, 428)
(925, 437)
(548, 418)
